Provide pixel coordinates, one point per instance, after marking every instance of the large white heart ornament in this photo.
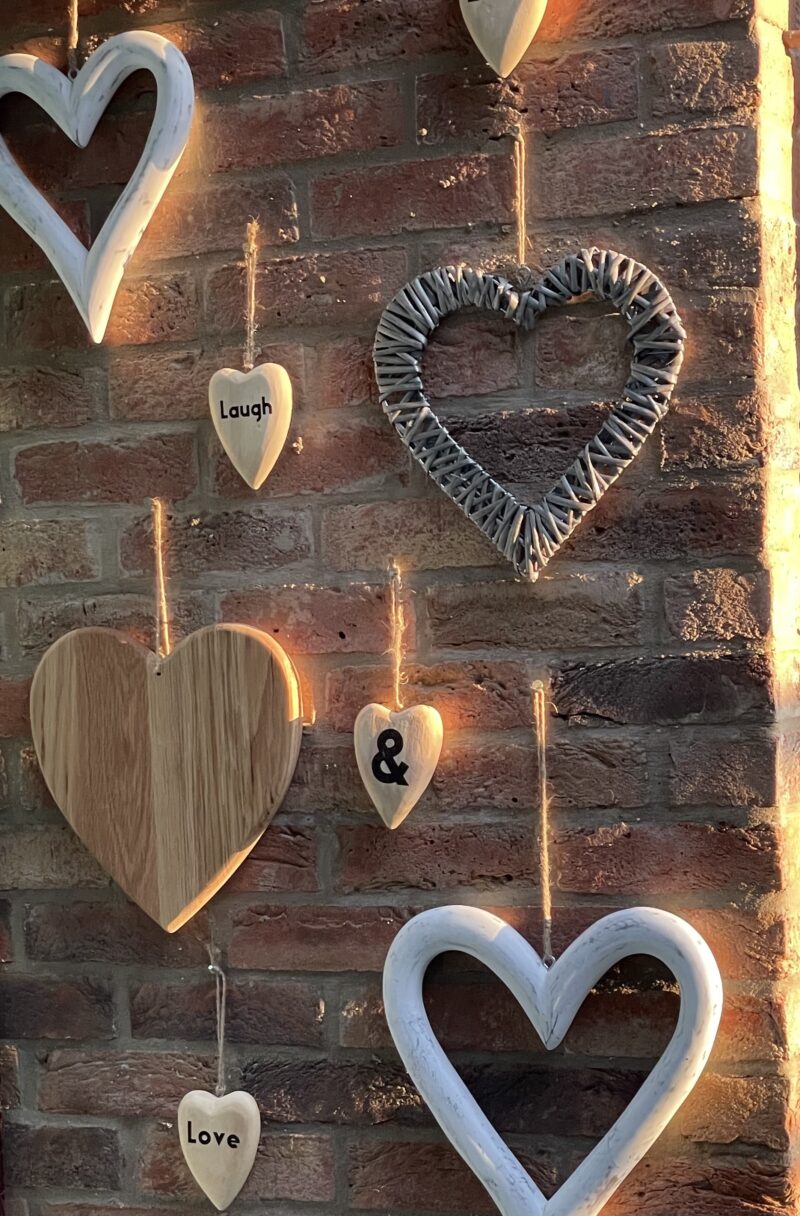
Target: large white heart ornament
(551, 998)
(252, 412)
(503, 30)
(219, 1138)
(93, 276)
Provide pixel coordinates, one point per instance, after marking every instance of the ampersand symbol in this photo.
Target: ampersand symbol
(384, 768)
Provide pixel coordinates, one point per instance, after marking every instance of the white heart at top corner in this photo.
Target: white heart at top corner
(219, 1140)
(92, 277)
(503, 30)
(551, 997)
(252, 412)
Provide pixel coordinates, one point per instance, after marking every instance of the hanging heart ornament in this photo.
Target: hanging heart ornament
(93, 276)
(251, 412)
(219, 1140)
(503, 30)
(529, 536)
(551, 997)
(397, 754)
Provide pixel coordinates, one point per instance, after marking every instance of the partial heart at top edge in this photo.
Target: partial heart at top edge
(551, 998)
(92, 277)
(397, 770)
(219, 1139)
(503, 30)
(169, 770)
(254, 440)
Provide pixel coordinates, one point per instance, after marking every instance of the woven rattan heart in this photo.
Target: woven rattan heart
(528, 536)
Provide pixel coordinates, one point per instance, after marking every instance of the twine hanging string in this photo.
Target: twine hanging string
(398, 622)
(221, 984)
(72, 40)
(251, 267)
(520, 165)
(163, 638)
(540, 726)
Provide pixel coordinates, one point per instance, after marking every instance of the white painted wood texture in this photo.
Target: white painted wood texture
(421, 732)
(220, 1167)
(551, 998)
(254, 440)
(503, 30)
(92, 277)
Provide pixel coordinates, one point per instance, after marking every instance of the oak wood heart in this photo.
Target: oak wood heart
(169, 770)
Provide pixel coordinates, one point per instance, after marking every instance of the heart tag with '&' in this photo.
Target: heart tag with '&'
(219, 1139)
(252, 412)
(397, 754)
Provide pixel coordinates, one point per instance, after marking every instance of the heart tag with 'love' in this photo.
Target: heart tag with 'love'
(219, 1139)
(252, 412)
(397, 754)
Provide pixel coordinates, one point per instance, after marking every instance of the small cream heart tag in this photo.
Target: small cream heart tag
(252, 412)
(503, 30)
(397, 754)
(219, 1138)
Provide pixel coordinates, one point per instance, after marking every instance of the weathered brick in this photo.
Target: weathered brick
(746, 1185)
(326, 779)
(423, 535)
(388, 199)
(472, 356)
(89, 932)
(121, 1084)
(644, 859)
(313, 938)
(228, 540)
(38, 1008)
(14, 715)
(213, 218)
(706, 77)
(346, 33)
(731, 1110)
(718, 604)
(258, 1011)
(40, 622)
(39, 859)
(47, 551)
(342, 372)
(284, 859)
(707, 770)
(34, 397)
(162, 466)
(62, 1157)
(20, 254)
(710, 432)
(230, 48)
(615, 18)
(9, 1077)
(318, 620)
(6, 944)
(302, 126)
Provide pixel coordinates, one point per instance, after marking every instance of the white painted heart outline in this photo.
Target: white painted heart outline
(551, 998)
(93, 276)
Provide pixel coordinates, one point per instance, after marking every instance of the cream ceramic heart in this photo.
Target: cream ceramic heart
(503, 30)
(219, 1138)
(397, 754)
(252, 412)
(551, 998)
(169, 770)
(529, 536)
(92, 277)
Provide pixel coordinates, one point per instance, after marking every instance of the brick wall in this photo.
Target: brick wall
(372, 144)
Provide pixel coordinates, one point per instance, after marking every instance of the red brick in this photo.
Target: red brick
(290, 1168)
(582, 348)
(258, 1011)
(635, 172)
(356, 458)
(715, 245)
(47, 551)
(705, 770)
(722, 329)
(709, 432)
(616, 18)
(80, 1157)
(9, 1077)
(313, 938)
(342, 372)
(603, 609)
(472, 356)
(590, 771)
(388, 199)
(420, 535)
(52, 161)
(319, 620)
(717, 605)
(19, 253)
(33, 792)
(39, 859)
(163, 466)
(251, 538)
(736, 1110)
(326, 779)
(646, 859)
(742, 1186)
(6, 945)
(284, 859)
(34, 397)
(212, 219)
(704, 77)
(574, 90)
(40, 622)
(311, 289)
(14, 715)
(121, 1084)
(38, 1008)
(89, 932)
(230, 48)
(264, 131)
(346, 33)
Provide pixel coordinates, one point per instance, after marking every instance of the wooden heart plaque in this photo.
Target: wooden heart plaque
(169, 770)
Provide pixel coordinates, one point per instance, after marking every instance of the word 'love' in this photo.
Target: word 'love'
(205, 1137)
(257, 411)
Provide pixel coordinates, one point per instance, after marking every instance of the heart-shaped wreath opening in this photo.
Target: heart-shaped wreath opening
(529, 536)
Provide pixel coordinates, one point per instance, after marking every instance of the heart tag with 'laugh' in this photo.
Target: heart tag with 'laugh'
(503, 30)
(169, 770)
(219, 1138)
(252, 412)
(397, 754)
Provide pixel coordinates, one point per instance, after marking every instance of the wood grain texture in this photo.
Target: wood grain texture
(252, 412)
(503, 30)
(222, 1166)
(420, 733)
(168, 770)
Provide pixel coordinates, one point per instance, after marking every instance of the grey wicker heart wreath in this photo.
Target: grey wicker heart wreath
(529, 536)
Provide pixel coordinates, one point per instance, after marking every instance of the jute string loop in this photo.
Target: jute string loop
(520, 165)
(251, 269)
(540, 727)
(163, 638)
(221, 985)
(72, 40)
(398, 621)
